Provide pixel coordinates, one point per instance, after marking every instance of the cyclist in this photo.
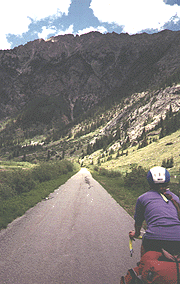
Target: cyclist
(160, 208)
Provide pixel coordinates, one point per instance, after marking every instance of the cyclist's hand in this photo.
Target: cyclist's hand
(132, 235)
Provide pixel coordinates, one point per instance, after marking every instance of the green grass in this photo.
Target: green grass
(15, 206)
(115, 187)
(6, 165)
(126, 189)
(147, 157)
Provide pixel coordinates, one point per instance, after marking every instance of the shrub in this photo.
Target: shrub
(17, 205)
(109, 173)
(48, 171)
(6, 191)
(16, 181)
(118, 154)
(136, 179)
(111, 151)
(96, 168)
(20, 181)
(43, 172)
(168, 163)
(109, 158)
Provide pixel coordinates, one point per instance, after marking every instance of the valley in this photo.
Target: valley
(110, 103)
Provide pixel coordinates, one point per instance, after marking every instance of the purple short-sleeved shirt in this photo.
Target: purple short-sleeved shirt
(161, 217)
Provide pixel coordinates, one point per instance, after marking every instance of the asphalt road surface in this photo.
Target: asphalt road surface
(78, 235)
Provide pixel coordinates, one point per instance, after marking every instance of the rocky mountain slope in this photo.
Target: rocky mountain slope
(70, 96)
(117, 128)
(144, 110)
(63, 77)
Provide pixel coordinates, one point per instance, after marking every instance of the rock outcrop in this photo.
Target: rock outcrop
(143, 111)
(67, 75)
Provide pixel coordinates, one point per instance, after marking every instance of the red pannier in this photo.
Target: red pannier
(154, 267)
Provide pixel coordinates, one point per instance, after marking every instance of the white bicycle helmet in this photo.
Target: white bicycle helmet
(158, 175)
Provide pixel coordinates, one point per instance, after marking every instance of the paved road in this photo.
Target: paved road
(79, 235)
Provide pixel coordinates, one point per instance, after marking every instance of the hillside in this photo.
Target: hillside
(147, 157)
(143, 130)
(127, 133)
(93, 99)
(58, 80)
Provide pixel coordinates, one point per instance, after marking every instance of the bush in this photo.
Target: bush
(43, 172)
(6, 191)
(96, 168)
(136, 179)
(48, 171)
(20, 181)
(108, 173)
(19, 204)
(168, 163)
(109, 158)
(16, 182)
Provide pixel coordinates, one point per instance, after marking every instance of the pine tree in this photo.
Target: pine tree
(118, 154)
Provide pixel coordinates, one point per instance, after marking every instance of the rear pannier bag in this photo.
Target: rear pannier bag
(154, 268)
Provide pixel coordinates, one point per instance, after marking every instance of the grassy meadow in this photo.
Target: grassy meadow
(147, 157)
(22, 186)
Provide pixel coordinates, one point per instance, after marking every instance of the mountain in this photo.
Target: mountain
(68, 95)
(65, 76)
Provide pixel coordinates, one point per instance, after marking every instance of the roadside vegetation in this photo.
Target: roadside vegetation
(125, 189)
(120, 186)
(21, 189)
(123, 173)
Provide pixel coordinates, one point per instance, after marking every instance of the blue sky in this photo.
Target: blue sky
(22, 21)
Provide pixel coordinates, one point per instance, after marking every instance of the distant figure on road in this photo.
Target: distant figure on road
(160, 208)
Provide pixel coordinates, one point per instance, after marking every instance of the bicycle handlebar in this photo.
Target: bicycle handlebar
(131, 246)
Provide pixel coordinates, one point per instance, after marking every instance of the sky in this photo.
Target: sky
(23, 21)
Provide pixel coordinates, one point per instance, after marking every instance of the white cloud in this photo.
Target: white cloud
(134, 15)
(4, 43)
(15, 16)
(175, 19)
(45, 32)
(100, 29)
(67, 31)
